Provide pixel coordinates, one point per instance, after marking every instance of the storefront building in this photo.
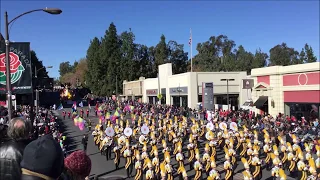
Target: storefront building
(186, 89)
(292, 90)
(133, 89)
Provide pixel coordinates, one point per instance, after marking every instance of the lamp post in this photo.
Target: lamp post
(227, 90)
(7, 42)
(37, 91)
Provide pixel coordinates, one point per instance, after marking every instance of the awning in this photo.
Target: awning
(261, 100)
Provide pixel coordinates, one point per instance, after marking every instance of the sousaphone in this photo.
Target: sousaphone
(127, 132)
(109, 131)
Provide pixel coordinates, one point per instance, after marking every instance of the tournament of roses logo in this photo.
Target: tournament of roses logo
(16, 68)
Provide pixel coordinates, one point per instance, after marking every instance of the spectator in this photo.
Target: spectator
(77, 166)
(42, 160)
(11, 151)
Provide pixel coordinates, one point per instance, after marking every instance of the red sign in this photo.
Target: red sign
(301, 79)
(151, 91)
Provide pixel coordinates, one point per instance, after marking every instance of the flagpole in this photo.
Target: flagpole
(191, 48)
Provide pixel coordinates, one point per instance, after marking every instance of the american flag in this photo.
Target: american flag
(190, 39)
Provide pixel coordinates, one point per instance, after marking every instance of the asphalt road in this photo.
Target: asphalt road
(106, 169)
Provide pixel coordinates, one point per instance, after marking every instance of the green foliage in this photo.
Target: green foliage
(38, 66)
(117, 57)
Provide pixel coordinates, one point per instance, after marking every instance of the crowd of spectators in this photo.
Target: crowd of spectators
(36, 150)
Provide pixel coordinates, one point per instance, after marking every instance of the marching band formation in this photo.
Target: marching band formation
(152, 146)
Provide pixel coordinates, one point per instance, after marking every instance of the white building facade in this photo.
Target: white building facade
(186, 89)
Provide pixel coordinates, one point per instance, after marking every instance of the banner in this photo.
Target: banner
(20, 68)
(247, 83)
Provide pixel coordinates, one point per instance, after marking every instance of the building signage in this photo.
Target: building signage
(247, 83)
(179, 90)
(207, 96)
(20, 68)
(152, 92)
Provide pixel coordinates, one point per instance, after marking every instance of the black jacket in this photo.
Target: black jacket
(29, 177)
(10, 157)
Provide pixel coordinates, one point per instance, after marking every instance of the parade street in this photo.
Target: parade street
(105, 169)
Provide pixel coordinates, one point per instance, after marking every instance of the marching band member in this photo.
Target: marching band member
(282, 174)
(206, 158)
(318, 160)
(249, 152)
(179, 158)
(256, 164)
(243, 147)
(228, 168)
(108, 148)
(168, 166)
(197, 165)
(302, 168)
(283, 155)
(232, 153)
(213, 174)
(246, 173)
(155, 163)
(138, 167)
(307, 149)
(291, 163)
(267, 151)
(116, 160)
(191, 148)
(150, 172)
(127, 155)
(275, 170)
(312, 170)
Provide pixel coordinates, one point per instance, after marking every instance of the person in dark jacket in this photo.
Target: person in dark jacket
(42, 160)
(11, 151)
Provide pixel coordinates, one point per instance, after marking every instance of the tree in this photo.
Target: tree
(94, 72)
(65, 68)
(128, 48)
(161, 52)
(244, 60)
(111, 57)
(283, 55)
(177, 57)
(38, 66)
(259, 60)
(80, 71)
(310, 57)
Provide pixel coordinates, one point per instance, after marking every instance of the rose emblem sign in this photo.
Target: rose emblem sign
(16, 68)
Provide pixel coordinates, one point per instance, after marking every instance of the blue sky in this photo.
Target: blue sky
(66, 37)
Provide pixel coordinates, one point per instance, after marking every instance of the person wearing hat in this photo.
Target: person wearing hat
(191, 149)
(150, 172)
(138, 167)
(127, 155)
(77, 165)
(179, 158)
(197, 165)
(42, 159)
(213, 174)
(291, 163)
(228, 167)
(256, 165)
(246, 173)
(206, 158)
(267, 151)
(168, 167)
(116, 160)
(155, 163)
(301, 167)
(317, 163)
(276, 162)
